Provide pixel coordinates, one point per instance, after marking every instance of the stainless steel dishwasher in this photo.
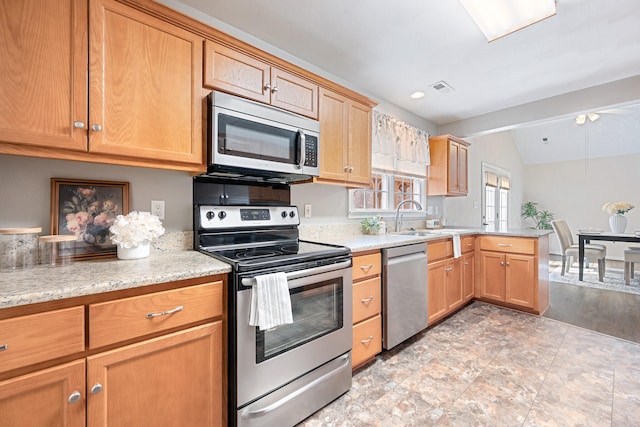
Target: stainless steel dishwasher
(404, 287)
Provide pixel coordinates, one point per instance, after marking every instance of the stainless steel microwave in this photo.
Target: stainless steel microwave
(252, 140)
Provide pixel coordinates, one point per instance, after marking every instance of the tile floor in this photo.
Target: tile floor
(489, 366)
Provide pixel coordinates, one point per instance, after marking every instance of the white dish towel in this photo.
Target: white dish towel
(270, 301)
(457, 252)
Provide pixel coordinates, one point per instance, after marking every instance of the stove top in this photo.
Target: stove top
(262, 257)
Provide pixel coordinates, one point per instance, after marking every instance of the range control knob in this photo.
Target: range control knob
(222, 214)
(283, 214)
(292, 214)
(211, 215)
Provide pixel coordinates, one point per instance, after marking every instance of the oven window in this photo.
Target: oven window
(240, 137)
(317, 311)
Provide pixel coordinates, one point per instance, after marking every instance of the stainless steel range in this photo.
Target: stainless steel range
(281, 375)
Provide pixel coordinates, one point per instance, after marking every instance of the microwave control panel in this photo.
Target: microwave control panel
(311, 151)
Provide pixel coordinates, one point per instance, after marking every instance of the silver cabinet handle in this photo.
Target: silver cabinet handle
(466, 263)
(97, 388)
(367, 300)
(96, 127)
(164, 313)
(367, 341)
(501, 262)
(275, 89)
(4, 347)
(346, 168)
(78, 125)
(448, 269)
(74, 397)
(505, 245)
(508, 264)
(350, 168)
(267, 86)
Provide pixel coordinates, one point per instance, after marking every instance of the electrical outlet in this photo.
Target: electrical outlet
(157, 208)
(307, 210)
(430, 210)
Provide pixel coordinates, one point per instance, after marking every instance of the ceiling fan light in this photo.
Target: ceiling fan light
(580, 119)
(497, 18)
(593, 116)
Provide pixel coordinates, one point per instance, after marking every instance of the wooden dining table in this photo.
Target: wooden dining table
(587, 237)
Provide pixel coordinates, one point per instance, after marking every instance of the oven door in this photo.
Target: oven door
(321, 331)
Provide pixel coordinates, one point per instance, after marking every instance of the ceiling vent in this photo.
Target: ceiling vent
(442, 87)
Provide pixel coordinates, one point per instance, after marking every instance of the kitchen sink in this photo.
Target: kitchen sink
(418, 233)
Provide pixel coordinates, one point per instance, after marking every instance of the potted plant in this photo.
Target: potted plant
(134, 232)
(542, 218)
(373, 225)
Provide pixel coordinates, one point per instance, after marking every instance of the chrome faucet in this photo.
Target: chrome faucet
(399, 221)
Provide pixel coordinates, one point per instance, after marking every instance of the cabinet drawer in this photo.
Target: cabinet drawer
(366, 266)
(508, 244)
(467, 244)
(439, 250)
(127, 318)
(40, 337)
(367, 340)
(366, 299)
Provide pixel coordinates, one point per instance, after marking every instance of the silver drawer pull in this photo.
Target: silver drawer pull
(97, 388)
(448, 269)
(164, 313)
(367, 300)
(74, 397)
(367, 341)
(505, 245)
(4, 347)
(366, 268)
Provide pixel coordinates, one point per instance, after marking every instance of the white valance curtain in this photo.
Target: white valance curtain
(398, 147)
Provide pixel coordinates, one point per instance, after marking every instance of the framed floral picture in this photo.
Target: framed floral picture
(87, 209)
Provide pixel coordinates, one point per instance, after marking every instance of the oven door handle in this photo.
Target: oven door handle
(302, 273)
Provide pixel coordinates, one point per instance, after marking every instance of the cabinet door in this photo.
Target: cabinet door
(455, 296)
(492, 284)
(436, 291)
(454, 186)
(334, 117)
(359, 144)
(463, 186)
(293, 93)
(43, 46)
(468, 271)
(145, 86)
(173, 380)
(42, 398)
(521, 286)
(234, 72)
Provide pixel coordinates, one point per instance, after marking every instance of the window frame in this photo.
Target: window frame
(389, 205)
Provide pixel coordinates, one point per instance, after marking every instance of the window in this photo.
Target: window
(495, 207)
(386, 192)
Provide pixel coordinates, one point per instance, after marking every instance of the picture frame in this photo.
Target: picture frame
(86, 209)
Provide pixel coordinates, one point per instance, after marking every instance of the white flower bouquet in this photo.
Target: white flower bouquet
(617, 208)
(128, 231)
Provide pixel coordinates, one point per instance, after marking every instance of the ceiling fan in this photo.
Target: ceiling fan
(581, 119)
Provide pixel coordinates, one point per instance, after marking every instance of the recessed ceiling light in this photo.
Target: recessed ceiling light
(417, 95)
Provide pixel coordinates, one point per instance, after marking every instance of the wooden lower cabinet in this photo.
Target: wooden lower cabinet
(169, 373)
(514, 271)
(450, 281)
(45, 398)
(133, 385)
(367, 307)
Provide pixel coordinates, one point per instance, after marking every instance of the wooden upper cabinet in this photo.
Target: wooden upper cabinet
(43, 46)
(448, 172)
(345, 140)
(145, 86)
(232, 71)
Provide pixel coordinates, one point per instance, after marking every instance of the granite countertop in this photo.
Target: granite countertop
(365, 242)
(50, 283)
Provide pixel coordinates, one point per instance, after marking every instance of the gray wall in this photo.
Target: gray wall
(25, 189)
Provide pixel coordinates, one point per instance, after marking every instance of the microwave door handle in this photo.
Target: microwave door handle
(302, 153)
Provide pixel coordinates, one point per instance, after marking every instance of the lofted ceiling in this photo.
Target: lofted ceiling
(391, 49)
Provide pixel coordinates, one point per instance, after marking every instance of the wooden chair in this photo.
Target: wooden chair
(570, 249)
